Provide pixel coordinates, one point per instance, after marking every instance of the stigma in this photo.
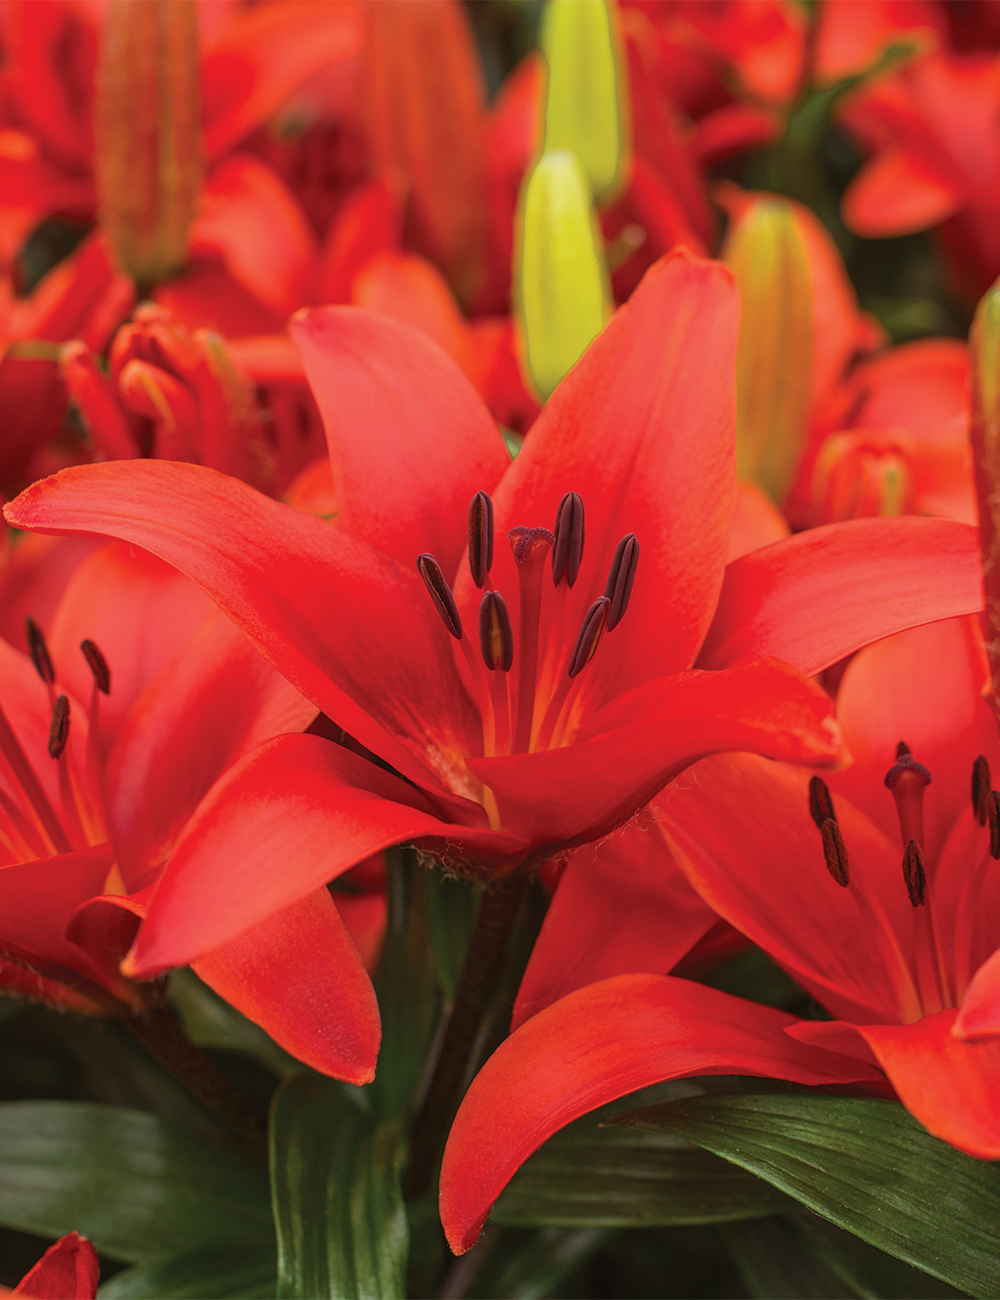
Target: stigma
(529, 692)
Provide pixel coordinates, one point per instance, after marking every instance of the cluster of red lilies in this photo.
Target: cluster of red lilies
(305, 562)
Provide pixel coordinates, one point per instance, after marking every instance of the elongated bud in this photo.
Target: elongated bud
(567, 550)
(59, 728)
(561, 288)
(586, 95)
(915, 873)
(835, 852)
(148, 126)
(858, 475)
(440, 593)
(39, 651)
(767, 254)
(98, 665)
(820, 802)
(480, 537)
(984, 381)
(621, 578)
(980, 788)
(495, 637)
(993, 817)
(589, 635)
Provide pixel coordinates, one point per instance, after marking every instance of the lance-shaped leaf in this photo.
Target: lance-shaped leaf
(561, 292)
(866, 1165)
(586, 100)
(341, 1224)
(984, 378)
(766, 252)
(211, 1273)
(138, 1187)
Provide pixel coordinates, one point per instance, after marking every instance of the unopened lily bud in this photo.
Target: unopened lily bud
(586, 96)
(860, 476)
(984, 381)
(766, 252)
(561, 289)
(148, 124)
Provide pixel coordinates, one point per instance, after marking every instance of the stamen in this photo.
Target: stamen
(980, 788)
(440, 593)
(621, 578)
(907, 779)
(589, 635)
(59, 729)
(835, 852)
(24, 774)
(495, 636)
(39, 651)
(915, 873)
(993, 815)
(98, 665)
(567, 550)
(820, 802)
(480, 537)
(529, 547)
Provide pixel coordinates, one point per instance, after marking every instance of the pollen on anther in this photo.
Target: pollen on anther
(835, 852)
(480, 537)
(915, 873)
(589, 635)
(567, 550)
(621, 578)
(59, 729)
(495, 637)
(820, 803)
(39, 651)
(980, 788)
(98, 665)
(440, 594)
(993, 816)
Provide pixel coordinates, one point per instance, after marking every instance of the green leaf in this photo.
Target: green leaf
(452, 905)
(868, 1271)
(777, 1265)
(137, 1186)
(406, 983)
(209, 1274)
(530, 1265)
(866, 1165)
(209, 1021)
(587, 1176)
(341, 1223)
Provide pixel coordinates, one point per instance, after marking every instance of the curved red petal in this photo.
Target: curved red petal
(69, 1270)
(621, 908)
(979, 1016)
(642, 428)
(594, 1046)
(351, 630)
(298, 975)
(819, 596)
(411, 443)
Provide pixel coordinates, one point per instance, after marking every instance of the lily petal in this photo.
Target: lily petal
(642, 428)
(411, 443)
(622, 907)
(351, 630)
(298, 975)
(819, 596)
(594, 1046)
(291, 816)
(979, 1016)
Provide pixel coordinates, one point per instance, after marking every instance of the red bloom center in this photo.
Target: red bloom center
(528, 696)
(31, 826)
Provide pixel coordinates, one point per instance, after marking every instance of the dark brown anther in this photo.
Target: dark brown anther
(980, 788)
(98, 665)
(590, 635)
(59, 730)
(902, 748)
(567, 552)
(495, 637)
(620, 579)
(914, 873)
(39, 651)
(835, 852)
(440, 593)
(820, 802)
(480, 537)
(993, 816)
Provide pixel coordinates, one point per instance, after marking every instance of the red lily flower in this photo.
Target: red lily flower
(743, 832)
(93, 797)
(68, 1270)
(931, 130)
(497, 769)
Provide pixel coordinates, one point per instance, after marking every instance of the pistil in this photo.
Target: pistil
(907, 779)
(529, 546)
